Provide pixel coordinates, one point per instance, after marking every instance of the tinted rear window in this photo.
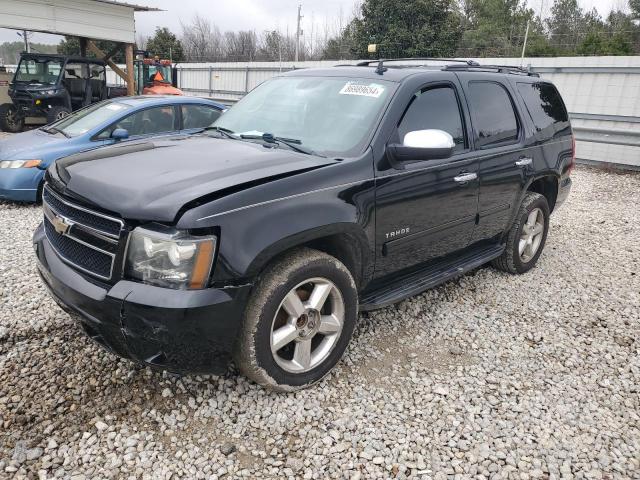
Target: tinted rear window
(544, 104)
(494, 119)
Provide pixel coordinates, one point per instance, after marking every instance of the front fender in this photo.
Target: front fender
(251, 236)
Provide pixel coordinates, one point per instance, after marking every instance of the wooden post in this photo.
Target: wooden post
(83, 47)
(131, 84)
(100, 54)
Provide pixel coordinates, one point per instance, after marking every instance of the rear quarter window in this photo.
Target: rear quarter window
(494, 120)
(545, 107)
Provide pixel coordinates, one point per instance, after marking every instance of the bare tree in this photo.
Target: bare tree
(202, 40)
(241, 46)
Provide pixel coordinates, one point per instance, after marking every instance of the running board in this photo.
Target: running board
(435, 274)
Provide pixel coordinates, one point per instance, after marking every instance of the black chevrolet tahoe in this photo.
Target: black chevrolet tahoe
(321, 193)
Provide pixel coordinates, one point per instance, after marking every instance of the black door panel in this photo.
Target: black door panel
(424, 214)
(427, 211)
(499, 133)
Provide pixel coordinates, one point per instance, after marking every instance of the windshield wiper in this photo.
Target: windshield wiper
(292, 143)
(224, 131)
(55, 130)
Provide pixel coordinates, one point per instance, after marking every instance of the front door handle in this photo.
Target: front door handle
(465, 177)
(524, 161)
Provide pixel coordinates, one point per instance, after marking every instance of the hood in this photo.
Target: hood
(152, 181)
(31, 144)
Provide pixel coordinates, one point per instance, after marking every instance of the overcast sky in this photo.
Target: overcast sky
(259, 15)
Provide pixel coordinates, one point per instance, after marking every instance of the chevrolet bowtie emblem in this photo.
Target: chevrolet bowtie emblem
(61, 225)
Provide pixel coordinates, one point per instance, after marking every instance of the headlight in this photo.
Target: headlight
(48, 92)
(19, 163)
(170, 259)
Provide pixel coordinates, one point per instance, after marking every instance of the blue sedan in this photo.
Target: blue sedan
(24, 157)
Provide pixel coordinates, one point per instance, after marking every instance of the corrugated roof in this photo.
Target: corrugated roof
(136, 8)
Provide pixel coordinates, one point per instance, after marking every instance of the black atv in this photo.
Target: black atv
(52, 86)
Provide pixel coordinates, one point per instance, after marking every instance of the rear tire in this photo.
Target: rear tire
(10, 119)
(298, 321)
(527, 236)
(57, 113)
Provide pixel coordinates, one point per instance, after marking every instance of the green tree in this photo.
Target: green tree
(340, 47)
(71, 46)
(567, 26)
(166, 45)
(407, 28)
(10, 51)
(496, 28)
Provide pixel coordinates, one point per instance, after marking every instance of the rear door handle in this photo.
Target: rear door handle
(465, 177)
(524, 161)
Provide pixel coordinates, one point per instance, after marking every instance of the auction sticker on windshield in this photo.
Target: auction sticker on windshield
(372, 90)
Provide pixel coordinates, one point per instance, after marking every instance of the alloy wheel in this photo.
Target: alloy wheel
(307, 325)
(531, 236)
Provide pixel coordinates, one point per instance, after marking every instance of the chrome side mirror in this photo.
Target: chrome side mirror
(431, 139)
(420, 145)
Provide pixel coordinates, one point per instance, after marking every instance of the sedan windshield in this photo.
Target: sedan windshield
(38, 71)
(331, 116)
(88, 118)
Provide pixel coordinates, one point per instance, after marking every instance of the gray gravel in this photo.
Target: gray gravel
(491, 375)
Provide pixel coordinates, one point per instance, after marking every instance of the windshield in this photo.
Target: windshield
(155, 73)
(45, 71)
(331, 116)
(89, 118)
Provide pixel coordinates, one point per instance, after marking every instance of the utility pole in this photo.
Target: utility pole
(25, 36)
(298, 32)
(524, 45)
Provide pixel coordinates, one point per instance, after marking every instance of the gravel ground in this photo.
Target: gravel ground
(491, 375)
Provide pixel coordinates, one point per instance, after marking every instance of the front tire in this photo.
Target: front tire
(10, 119)
(527, 236)
(298, 321)
(57, 113)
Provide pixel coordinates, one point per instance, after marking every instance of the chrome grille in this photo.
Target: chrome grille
(102, 223)
(85, 239)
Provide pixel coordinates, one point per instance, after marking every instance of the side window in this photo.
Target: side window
(74, 71)
(198, 116)
(544, 104)
(494, 119)
(96, 72)
(146, 122)
(436, 108)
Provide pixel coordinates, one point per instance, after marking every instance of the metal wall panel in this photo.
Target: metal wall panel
(82, 18)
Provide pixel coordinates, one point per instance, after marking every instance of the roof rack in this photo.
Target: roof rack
(493, 68)
(381, 67)
(366, 63)
(459, 65)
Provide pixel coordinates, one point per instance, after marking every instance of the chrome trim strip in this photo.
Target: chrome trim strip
(92, 212)
(285, 198)
(75, 265)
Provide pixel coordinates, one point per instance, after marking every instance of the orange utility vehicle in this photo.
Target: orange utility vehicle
(155, 77)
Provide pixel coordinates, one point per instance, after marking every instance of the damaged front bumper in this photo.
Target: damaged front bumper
(183, 331)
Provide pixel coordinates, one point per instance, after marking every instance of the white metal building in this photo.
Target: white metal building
(96, 19)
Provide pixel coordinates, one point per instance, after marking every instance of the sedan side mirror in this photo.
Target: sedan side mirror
(421, 145)
(120, 134)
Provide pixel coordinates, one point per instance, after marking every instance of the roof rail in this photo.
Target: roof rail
(366, 63)
(513, 69)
